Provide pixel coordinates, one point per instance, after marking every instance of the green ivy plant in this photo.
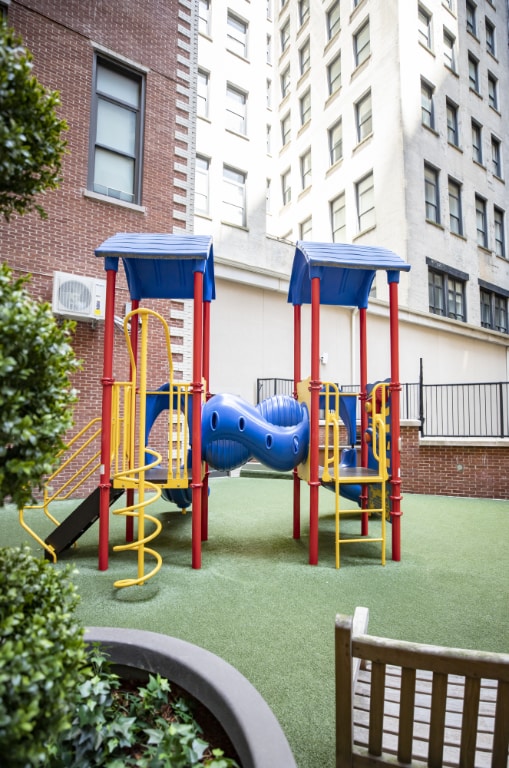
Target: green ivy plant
(31, 146)
(42, 658)
(36, 360)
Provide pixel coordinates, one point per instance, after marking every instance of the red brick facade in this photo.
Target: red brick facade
(62, 36)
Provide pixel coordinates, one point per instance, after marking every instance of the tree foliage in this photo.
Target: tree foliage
(36, 360)
(31, 146)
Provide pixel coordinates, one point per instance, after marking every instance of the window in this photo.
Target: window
(455, 216)
(305, 107)
(498, 218)
(471, 18)
(334, 75)
(333, 20)
(234, 196)
(236, 35)
(361, 45)
(286, 188)
(496, 157)
(116, 132)
(284, 35)
(427, 106)
(268, 135)
(285, 82)
(476, 142)
(303, 11)
(201, 199)
(473, 73)
(335, 142)
(338, 218)
(202, 94)
(446, 291)
(449, 4)
(269, 49)
(306, 229)
(365, 198)
(286, 125)
(304, 57)
(268, 94)
(493, 91)
(269, 10)
(452, 123)
(424, 28)
(363, 117)
(236, 107)
(432, 193)
(305, 169)
(449, 50)
(490, 38)
(204, 17)
(493, 307)
(268, 197)
(481, 221)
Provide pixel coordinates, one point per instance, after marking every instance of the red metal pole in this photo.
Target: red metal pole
(395, 417)
(107, 383)
(297, 376)
(129, 521)
(363, 344)
(314, 481)
(197, 391)
(206, 376)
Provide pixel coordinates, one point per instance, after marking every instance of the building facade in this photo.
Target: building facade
(364, 122)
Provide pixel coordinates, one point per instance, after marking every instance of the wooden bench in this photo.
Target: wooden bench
(409, 704)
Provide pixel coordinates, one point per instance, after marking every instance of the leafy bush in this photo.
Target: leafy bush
(36, 359)
(42, 658)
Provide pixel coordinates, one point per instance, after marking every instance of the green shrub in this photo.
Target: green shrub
(36, 359)
(42, 658)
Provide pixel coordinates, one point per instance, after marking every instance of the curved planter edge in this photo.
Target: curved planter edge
(243, 713)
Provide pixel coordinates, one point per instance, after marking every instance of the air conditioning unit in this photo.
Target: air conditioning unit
(82, 298)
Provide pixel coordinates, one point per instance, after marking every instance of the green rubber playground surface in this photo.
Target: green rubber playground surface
(259, 605)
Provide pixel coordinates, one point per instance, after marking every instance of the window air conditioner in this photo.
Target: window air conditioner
(82, 298)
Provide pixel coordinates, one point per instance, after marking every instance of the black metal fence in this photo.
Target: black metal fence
(443, 410)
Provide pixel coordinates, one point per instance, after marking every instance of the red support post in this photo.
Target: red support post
(315, 386)
(297, 376)
(206, 376)
(363, 348)
(107, 383)
(197, 391)
(395, 388)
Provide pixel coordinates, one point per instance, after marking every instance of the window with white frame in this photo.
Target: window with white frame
(201, 198)
(481, 220)
(477, 154)
(491, 43)
(452, 123)
(449, 50)
(236, 35)
(432, 193)
(286, 187)
(284, 35)
(304, 57)
(473, 73)
(116, 131)
(268, 94)
(234, 196)
(424, 27)
(303, 11)
(202, 93)
(286, 129)
(268, 197)
(427, 105)
(333, 20)
(305, 107)
(335, 134)
(338, 218)
(306, 229)
(361, 44)
(285, 82)
(499, 226)
(236, 110)
(305, 169)
(493, 307)
(363, 117)
(268, 134)
(446, 291)
(334, 75)
(365, 199)
(492, 91)
(471, 11)
(204, 17)
(269, 49)
(496, 156)
(455, 212)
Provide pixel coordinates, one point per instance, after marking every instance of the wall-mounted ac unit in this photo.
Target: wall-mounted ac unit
(82, 298)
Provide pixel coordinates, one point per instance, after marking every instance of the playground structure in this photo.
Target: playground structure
(222, 431)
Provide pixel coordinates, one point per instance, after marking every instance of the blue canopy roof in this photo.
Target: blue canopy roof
(346, 272)
(161, 266)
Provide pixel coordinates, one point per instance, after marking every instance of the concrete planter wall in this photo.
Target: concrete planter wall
(245, 716)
